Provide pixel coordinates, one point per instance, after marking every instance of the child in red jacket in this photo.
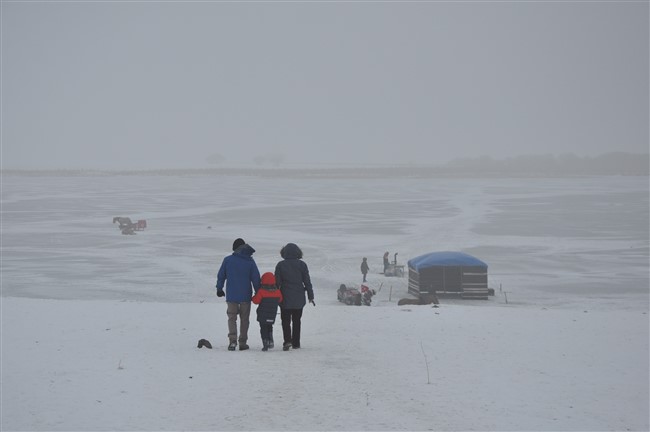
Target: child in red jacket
(268, 298)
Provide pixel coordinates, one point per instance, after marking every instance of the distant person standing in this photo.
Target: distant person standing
(364, 268)
(386, 262)
(292, 277)
(240, 275)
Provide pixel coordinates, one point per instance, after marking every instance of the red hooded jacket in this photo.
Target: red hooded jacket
(267, 297)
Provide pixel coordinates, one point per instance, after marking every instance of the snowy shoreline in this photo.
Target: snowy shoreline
(106, 365)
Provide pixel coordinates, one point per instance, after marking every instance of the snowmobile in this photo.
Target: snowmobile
(128, 227)
(349, 296)
(352, 296)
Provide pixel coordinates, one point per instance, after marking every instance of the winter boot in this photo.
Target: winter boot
(286, 346)
(232, 346)
(265, 344)
(271, 345)
(243, 346)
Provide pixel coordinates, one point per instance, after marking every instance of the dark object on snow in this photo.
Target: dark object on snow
(422, 300)
(349, 296)
(128, 227)
(204, 343)
(448, 274)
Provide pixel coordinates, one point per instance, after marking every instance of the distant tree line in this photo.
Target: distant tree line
(616, 163)
(269, 159)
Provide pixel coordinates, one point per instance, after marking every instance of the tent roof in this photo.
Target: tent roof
(444, 259)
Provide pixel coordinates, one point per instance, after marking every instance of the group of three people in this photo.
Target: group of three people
(286, 288)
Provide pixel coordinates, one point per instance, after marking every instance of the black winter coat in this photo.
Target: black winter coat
(292, 277)
(268, 298)
(268, 310)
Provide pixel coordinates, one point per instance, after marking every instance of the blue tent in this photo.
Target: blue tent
(454, 273)
(445, 259)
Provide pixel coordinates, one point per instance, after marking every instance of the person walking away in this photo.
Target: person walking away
(386, 262)
(292, 277)
(364, 268)
(268, 297)
(240, 275)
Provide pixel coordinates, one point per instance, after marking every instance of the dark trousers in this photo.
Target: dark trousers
(291, 325)
(266, 331)
(364, 277)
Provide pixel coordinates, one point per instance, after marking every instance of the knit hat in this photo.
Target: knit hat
(237, 243)
(268, 278)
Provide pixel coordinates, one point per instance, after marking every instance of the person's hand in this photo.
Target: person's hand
(312, 302)
(220, 292)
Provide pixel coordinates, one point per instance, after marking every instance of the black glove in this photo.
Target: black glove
(312, 302)
(220, 292)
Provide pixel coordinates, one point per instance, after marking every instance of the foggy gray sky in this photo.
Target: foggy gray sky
(166, 84)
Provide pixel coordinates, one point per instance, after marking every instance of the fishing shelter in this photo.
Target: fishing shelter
(448, 273)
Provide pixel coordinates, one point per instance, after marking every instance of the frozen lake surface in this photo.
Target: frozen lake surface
(544, 239)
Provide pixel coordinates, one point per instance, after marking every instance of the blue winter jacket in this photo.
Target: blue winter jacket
(239, 272)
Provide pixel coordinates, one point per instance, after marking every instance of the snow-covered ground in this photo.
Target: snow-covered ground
(99, 329)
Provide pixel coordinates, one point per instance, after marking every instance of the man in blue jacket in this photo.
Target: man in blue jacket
(240, 275)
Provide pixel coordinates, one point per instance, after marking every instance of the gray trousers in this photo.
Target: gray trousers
(244, 312)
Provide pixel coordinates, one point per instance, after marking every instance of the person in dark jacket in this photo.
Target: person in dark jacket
(292, 277)
(364, 268)
(268, 297)
(240, 275)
